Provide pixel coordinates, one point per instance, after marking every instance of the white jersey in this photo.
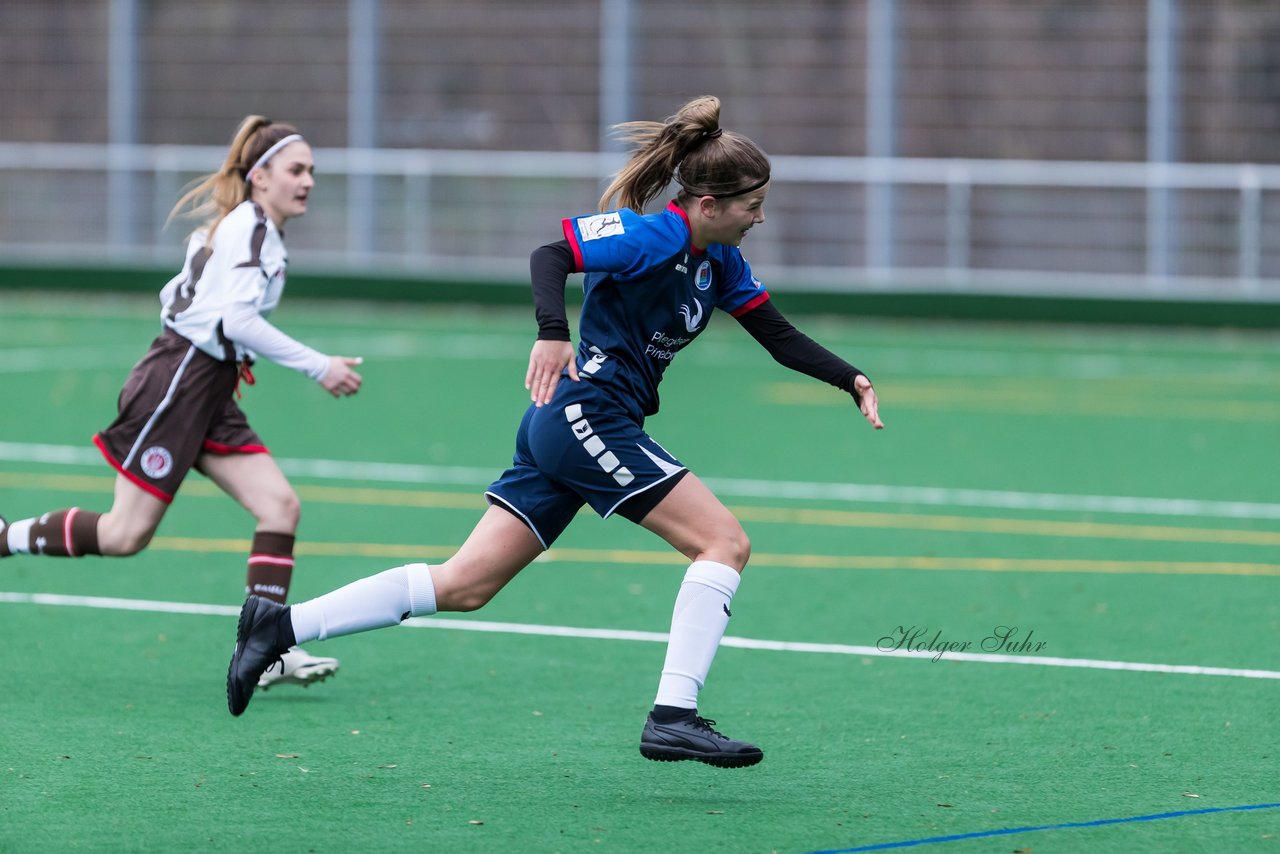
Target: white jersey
(220, 299)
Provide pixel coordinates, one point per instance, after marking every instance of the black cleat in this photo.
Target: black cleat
(257, 648)
(693, 738)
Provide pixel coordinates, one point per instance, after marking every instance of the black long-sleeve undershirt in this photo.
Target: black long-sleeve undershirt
(550, 266)
(792, 349)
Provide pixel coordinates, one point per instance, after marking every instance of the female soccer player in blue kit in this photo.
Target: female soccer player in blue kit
(652, 282)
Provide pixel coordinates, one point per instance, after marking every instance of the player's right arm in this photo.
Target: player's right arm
(549, 269)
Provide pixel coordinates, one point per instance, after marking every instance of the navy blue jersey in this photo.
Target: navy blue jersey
(649, 292)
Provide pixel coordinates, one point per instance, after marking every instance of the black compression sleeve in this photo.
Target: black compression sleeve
(549, 267)
(793, 349)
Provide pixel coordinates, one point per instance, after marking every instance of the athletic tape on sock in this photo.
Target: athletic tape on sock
(422, 590)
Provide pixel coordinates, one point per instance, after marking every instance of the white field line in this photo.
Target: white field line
(659, 637)
(743, 488)
(113, 604)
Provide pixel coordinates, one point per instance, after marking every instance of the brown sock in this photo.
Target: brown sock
(270, 566)
(63, 533)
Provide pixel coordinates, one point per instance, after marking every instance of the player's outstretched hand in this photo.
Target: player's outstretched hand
(546, 361)
(869, 405)
(340, 380)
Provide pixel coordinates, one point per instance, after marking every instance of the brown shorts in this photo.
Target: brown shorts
(176, 405)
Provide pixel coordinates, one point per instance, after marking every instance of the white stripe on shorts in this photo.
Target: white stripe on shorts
(631, 495)
(509, 506)
(164, 404)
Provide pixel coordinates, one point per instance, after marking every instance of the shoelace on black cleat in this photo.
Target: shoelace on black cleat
(708, 725)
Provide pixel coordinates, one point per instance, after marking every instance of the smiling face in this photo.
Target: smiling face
(284, 184)
(727, 221)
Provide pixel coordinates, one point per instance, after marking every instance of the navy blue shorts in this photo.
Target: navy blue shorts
(582, 449)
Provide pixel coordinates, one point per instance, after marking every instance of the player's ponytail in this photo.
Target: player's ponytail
(214, 196)
(691, 148)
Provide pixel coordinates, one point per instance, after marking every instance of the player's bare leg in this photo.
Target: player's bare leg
(125, 529)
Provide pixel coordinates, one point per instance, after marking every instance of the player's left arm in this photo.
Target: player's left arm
(793, 349)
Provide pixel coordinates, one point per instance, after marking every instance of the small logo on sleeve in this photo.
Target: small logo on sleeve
(600, 225)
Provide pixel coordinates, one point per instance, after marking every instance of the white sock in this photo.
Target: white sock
(19, 536)
(697, 625)
(371, 603)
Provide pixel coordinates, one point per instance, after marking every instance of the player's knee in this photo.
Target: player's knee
(470, 600)
(459, 587)
(731, 546)
(740, 547)
(281, 512)
(464, 597)
(291, 508)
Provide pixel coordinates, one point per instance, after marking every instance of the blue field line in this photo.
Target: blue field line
(1008, 831)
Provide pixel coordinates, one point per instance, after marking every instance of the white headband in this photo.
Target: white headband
(271, 152)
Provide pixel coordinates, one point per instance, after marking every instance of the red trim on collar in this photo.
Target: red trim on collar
(674, 208)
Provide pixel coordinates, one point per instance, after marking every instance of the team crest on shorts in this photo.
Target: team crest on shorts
(156, 462)
(702, 279)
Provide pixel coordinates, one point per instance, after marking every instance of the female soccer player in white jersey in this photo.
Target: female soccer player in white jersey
(652, 282)
(177, 409)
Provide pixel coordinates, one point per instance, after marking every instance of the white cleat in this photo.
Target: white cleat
(298, 667)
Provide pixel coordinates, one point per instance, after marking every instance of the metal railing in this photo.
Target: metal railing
(966, 226)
